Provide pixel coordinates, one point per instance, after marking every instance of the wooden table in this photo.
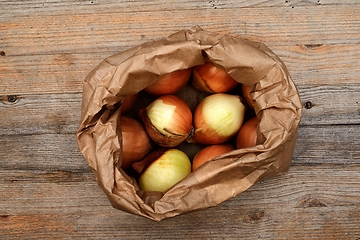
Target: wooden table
(47, 190)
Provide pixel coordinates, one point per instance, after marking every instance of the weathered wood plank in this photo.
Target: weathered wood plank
(50, 226)
(321, 202)
(43, 113)
(111, 25)
(48, 152)
(322, 64)
(60, 113)
(330, 104)
(78, 31)
(64, 72)
(24, 7)
(336, 144)
(44, 59)
(47, 190)
(53, 73)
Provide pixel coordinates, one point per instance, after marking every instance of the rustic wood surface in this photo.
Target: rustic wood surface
(47, 190)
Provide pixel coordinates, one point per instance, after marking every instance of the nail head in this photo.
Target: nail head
(308, 105)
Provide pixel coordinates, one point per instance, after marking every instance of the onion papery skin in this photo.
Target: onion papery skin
(128, 102)
(135, 141)
(247, 135)
(210, 152)
(217, 118)
(165, 171)
(246, 91)
(168, 120)
(170, 83)
(212, 79)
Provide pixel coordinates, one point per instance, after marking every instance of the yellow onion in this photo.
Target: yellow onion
(168, 120)
(210, 152)
(135, 141)
(162, 169)
(209, 78)
(128, 102)
(246, 90)
(247, 135)
(170, 83)
(217, 118)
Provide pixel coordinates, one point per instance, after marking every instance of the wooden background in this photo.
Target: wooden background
(47, 190)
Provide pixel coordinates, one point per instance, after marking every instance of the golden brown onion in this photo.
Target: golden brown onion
(210, 152)
(247, 135)
(135, 141)
(209, 78)
(163, 168)
(168, 120)
(170, 83)
(217, 118)
(247, 95)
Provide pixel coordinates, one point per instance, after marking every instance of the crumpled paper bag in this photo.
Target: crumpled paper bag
(277, 105)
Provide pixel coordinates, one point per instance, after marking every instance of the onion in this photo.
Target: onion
(135, 141)
(246, 93)
(128, 102)
(209, 78)
(217, 118)
(210, 152)
(168, 120)
(170, 83)
(247, 135)
(162, 169)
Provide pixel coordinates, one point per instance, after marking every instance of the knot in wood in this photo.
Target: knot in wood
(12, 98)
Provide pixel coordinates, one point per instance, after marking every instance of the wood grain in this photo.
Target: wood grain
(60, 113)
(336, 144)
(41, 151)
(317, 209)
(43, 113)
(64, 72)
(47, 190)
(84, 29)
(53, 61)
(36, 6)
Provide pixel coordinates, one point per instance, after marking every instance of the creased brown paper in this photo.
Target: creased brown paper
(277, 105)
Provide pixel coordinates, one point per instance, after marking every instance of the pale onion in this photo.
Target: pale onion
(128, 102)
(135, 141)
(170, 83)
(168, 120)
(162, 169)
(247, 135)
(217, 118)
(246, 91)
(209, 78)
(210, 152)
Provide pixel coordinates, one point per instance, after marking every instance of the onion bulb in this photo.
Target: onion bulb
(170, 83)
(162, 169)
(217, 118)
(246, 93)
(247, 135)
(128, 102)
(209, 78)
(210, 152)
(135, 141)
(168, 120)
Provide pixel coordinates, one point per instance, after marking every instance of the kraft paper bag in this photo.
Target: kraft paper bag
(277, 105)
